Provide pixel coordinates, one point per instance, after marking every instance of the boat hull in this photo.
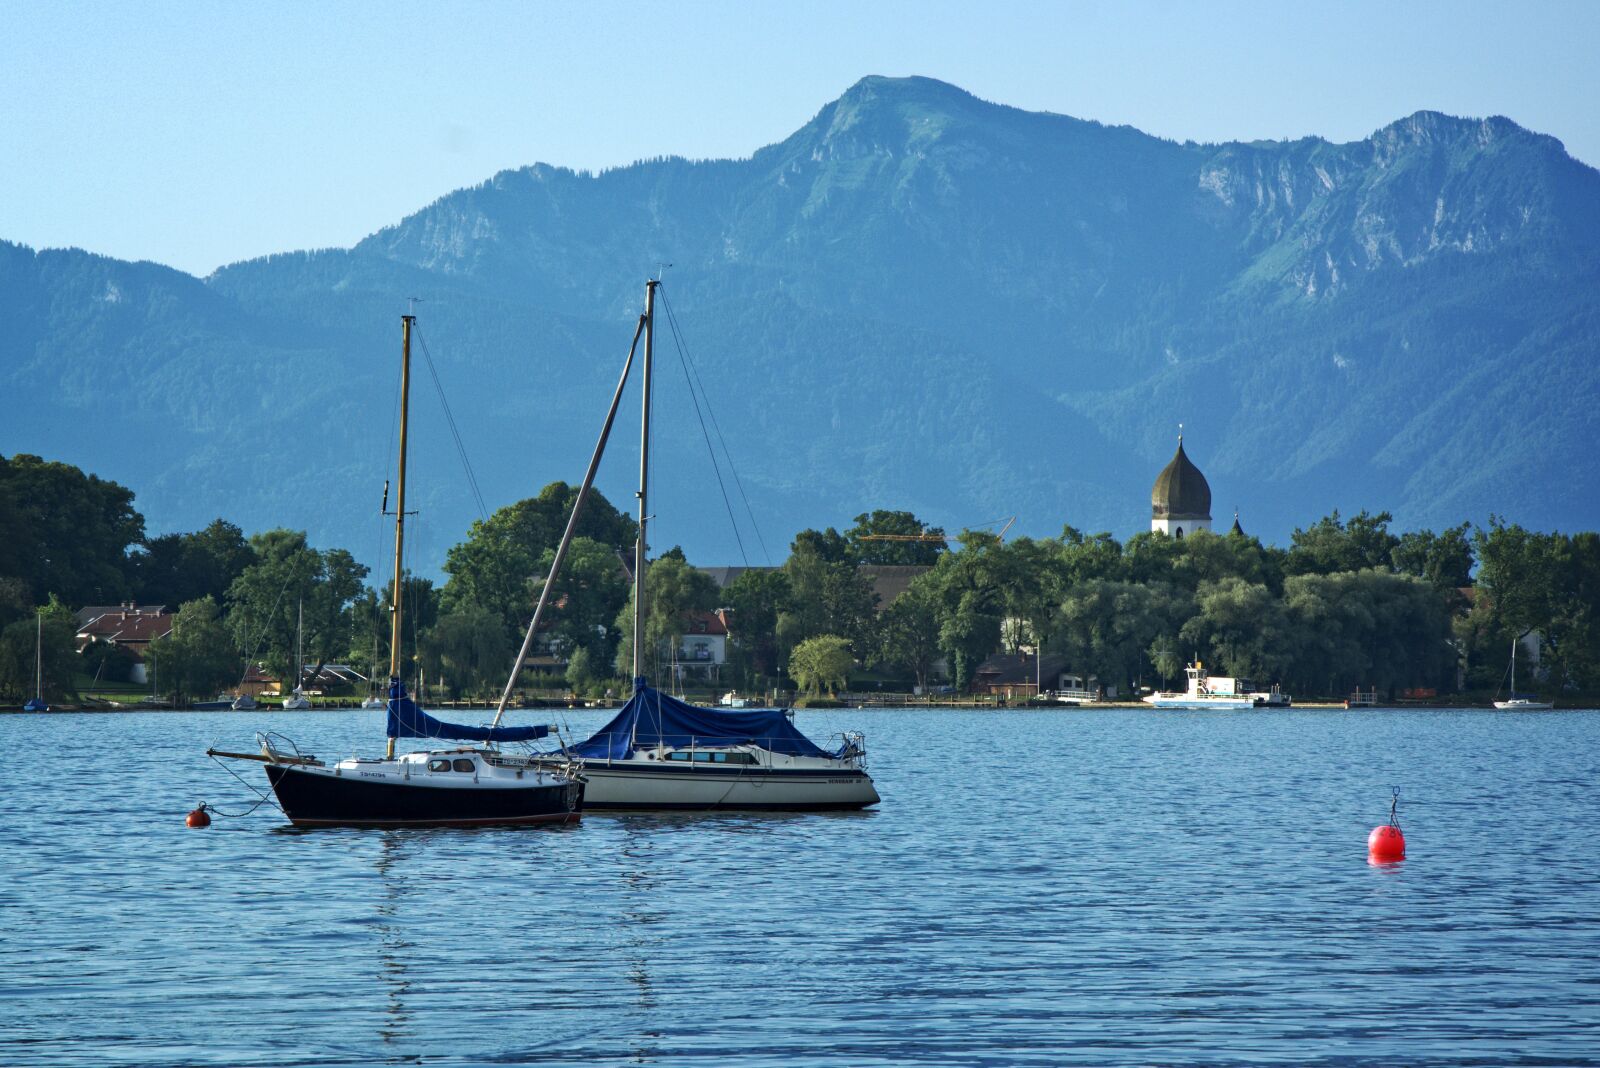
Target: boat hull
(317, 797)
(1524, 706)
(1180, 701)
(656, 785)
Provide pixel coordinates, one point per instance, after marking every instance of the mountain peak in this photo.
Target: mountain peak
(1435, 128)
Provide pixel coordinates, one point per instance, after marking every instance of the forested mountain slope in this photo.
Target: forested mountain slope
(919, 300)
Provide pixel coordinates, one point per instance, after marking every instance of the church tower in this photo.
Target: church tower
(1180, 501)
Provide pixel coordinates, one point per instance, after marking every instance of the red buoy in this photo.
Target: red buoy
(199, 817)
(1386, 844)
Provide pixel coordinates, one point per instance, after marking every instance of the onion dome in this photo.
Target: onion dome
(1181, 491)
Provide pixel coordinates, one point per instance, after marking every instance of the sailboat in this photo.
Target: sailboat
(298, 701)
(660, 752)
(372, 699)
(1520, 704)
(462, 786)
(37, 702)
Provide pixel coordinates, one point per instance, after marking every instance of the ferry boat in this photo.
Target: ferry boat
(1218, 691)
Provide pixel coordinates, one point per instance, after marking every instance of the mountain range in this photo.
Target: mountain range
(919, 300)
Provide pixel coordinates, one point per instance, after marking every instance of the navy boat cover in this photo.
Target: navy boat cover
(653, 718)
(406, 720)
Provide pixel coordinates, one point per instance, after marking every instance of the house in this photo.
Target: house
(131, 627)
(1018, 674)
(704, 646)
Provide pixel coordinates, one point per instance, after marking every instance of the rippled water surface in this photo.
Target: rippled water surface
(1038, 888)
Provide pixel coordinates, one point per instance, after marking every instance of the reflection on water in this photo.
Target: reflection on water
(1074, 887)
(394, 947)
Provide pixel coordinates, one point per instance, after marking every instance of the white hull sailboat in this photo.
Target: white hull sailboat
(449, 787)
(662, 753)
(1521, 704)
(37, 703)
(298, 701)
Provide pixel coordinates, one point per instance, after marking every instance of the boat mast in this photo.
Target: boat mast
(399, 512)
(644, 481)
(38, 656)
(572, 528)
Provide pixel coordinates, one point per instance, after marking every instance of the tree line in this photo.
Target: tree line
(1348, 603)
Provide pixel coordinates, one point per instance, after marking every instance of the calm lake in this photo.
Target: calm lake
(1037, 888)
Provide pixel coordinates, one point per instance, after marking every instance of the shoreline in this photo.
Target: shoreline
(1096, 706)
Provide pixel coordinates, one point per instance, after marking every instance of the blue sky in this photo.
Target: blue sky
(197, 135)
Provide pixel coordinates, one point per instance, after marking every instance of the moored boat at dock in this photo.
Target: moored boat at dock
(1218, 691)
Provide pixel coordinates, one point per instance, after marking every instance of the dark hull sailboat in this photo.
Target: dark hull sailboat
(313, 797)
(455, 787)
(461, 787)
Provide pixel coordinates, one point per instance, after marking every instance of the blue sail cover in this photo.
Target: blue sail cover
(406, 720)
(653, 718)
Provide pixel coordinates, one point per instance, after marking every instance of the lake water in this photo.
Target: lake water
(1037, 888)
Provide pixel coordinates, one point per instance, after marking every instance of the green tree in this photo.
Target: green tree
(1572, 655)
(469, 649)
(372, 624)
(1516, 572)
(1332, 545)
(1104, 626)
(176, 568)
(969, 587)
(1207, 557)
(822, 661)
(673, 590)
(1241, 625)
(54, 643)
(330, 614)
(908, 632)
(881, 537)
(1367, 628)
(16, 602)
(1444, 559)
(579, 672)
(265, 601)
(757, 599)
(64, 531)
(496, 566)
(1095, 556)
(197, 658)
(828, 593)
(590, 591)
